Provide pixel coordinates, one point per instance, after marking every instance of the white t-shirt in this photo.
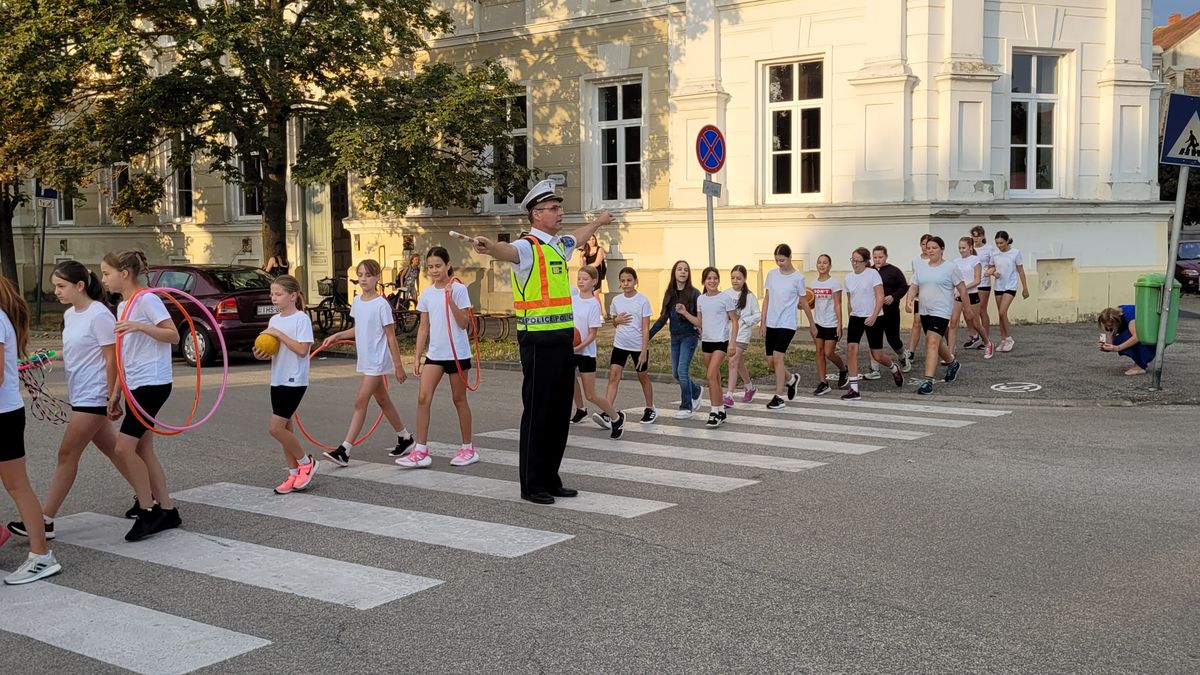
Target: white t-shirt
(936, 287)
(10, 393)
(372, 320)
(629, 336)
(433, 302)
(985, 254)
(748, 316)
(84, 333)
(783, 297)
(587, 316)
(289, 369)
(916, 262)
(1006, 264)
(714, 316)
(860, 289)
(146, 360)
(966, 268)
(824, 312)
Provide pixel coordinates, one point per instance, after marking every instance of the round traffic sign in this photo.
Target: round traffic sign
(710, 148)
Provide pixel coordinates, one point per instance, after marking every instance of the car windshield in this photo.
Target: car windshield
(241, 280)
(1189, 250)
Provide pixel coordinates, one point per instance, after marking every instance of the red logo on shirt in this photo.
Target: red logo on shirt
(822, 291)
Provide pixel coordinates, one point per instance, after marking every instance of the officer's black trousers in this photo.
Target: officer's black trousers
(547, 361)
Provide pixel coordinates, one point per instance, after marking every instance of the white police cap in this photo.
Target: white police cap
(542, 192)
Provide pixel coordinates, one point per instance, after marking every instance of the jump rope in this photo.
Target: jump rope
(42, 405)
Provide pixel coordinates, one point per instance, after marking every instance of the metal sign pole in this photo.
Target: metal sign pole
(712, 237)
(41, 264)
(1172, 256)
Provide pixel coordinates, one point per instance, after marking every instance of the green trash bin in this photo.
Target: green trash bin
(1148, 304)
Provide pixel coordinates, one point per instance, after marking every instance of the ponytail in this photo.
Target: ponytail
(742, 297)
(75, 272)
(17, 310)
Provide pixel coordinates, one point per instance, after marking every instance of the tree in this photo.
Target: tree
(224, 80)
(1168, 181)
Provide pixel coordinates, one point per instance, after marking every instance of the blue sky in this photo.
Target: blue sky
(1165, 8)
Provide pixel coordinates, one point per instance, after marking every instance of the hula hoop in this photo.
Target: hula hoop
(140, 413)
(450, 333)
(319, 444)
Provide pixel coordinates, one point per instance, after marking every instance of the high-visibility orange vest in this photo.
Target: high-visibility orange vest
(543, 302)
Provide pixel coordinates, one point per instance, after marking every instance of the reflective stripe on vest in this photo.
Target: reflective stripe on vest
(545, 305)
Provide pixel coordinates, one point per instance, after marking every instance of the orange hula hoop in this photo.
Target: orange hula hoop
(129, 407)
(319, 444)
(450, 333)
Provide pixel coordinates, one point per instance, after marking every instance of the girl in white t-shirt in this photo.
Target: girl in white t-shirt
(985, 250)
(914, 335)
(289, 378)
(445, 309)
(717, 322)
(147, 334)
(90, 358)
(746, 305)
(378, 355)
(784, 293)
(585, 307)
(827, 313)
(971, 269)
(864, 294)
(935, 280)
(630, 312)
(1007, 267)
(14, 339)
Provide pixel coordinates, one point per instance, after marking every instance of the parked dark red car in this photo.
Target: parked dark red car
(1187, 266)
(238, 296)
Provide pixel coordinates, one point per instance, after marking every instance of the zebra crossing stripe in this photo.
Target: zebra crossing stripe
(491, 488)
(476, 536)
(117, 633)
(740, 438)
(895, 407)
(637, 474)
(582, 441)
(310, 576)
(797, 408)
(795, 425)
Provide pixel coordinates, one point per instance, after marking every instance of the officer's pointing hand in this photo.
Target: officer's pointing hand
(604, 218)
(482, 244)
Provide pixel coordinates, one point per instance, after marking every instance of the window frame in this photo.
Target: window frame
(241, 190)
(488, 203)
(797, 105)
(594, 150)
(60, 210)
(1033, 100)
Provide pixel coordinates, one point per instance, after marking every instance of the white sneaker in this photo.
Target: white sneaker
(871, 375)
(602, 420)
(698, 399)
(683, 414)
(415, 459)
(35, 567)
(1007, 345)
(465, 456)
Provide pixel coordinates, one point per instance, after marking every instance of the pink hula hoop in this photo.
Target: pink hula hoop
(212, 320)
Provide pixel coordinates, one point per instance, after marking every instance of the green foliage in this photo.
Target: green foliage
(1168, 180)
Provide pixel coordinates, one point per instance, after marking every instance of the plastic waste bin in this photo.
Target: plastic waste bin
(1148, 300)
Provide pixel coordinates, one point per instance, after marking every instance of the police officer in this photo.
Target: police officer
(545, 329)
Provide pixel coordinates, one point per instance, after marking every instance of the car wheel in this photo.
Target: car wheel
(187, 348)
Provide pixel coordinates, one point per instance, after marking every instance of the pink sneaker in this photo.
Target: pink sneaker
(748, 396)
(415, 459)
(990, 351)
(465, 456)
(727, 400)
(287, 485)
(305, 476)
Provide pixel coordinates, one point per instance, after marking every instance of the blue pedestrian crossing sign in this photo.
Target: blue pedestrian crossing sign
(710, 148)
(1181, 133)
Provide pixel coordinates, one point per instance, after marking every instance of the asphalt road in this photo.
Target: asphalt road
(1048, 539)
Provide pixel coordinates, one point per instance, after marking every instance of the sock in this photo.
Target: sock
(40, 556)
(47, 520)
(403, 434)
(345, 447)
(854, 384)
(874, 366)
(293, 472)
(421, 448)
(304, 461)
(718, 408)
(467, 446)
(894, 367)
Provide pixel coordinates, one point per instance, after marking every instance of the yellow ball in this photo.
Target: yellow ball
(267, 344)
(809, 298)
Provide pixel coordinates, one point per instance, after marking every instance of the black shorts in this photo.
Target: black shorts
(585, 364)
(936, 324)
(778, 339)
(151, 397)
(827, 333)
(973, 296)
(916, 307)
(858, 326)
(449, 365)
(1012, 293)
(985, 289)
(91, 409)
(714, 347)
(285, 400)
(622, 356)
(12, 431)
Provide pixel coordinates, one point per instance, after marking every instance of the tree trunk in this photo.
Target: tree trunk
(9, 195)
(274, 219)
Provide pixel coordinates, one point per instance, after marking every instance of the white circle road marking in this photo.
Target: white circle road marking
(1017, 387)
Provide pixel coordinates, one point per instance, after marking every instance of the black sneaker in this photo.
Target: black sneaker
(580, 415)
(821, 390)
(715, 419)
(971, 342)
(775, 403)
(148, 522)
(843, 378)
(618, 426)
(17, 527)
(170, 519)
(648, 416)
(403, 447)
(851, 396)
(338, 455)
(925, 388)
(133, 510)
(952, 371)
(791, 385)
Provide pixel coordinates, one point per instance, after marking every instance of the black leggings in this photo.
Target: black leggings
(891, 329)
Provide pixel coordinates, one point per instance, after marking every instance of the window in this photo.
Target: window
(250, 192)
(795, 99)
(66, 209)
(181, 281)
(118, 177)
(518, 113)
(182, 186)
(1033, 107)
(231, 280)
(618, 125)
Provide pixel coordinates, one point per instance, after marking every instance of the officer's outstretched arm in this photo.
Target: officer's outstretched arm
(584, 233)
(500, 250)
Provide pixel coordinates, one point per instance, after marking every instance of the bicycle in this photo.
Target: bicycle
(334, 289)
(404, 310)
